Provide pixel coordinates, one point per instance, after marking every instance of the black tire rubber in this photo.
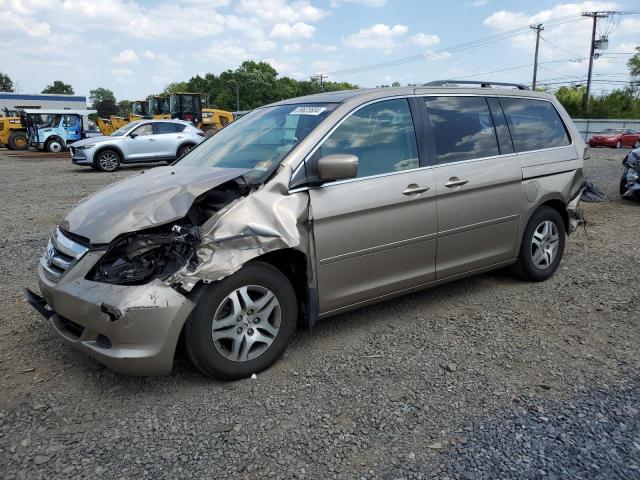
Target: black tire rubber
(96, 162)
(183, 150)
(47, 146)
(623, 186)
(524, 268)
(197, 332)
(14, 140)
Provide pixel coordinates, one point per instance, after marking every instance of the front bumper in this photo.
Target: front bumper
(133, 330)
(81, 157)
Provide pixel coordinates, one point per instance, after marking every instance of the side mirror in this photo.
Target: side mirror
(339, 166)
(133, 135)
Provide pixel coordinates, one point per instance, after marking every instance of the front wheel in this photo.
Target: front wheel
(637, 144)
(542, 245)
(53, 145)
(242, 324)
(618, 144)
(107, 161)
(18, 141)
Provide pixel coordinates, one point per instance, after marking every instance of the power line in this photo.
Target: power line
(453, 49)
(579, 57)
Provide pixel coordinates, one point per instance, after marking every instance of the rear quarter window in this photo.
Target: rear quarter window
(534, 124)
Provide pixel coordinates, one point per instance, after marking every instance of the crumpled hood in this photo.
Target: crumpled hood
(154, 197)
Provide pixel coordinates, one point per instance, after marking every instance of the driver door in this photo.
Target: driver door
(140, 144)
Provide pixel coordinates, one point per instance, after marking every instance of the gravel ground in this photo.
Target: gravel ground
(434, 384)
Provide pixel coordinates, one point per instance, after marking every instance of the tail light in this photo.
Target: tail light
(201, 133)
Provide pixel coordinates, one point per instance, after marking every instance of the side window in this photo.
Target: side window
(69, 121)
(166, 127)
(502, 131)
(462, 128)
(534, 124)
(381, 135)
(143, 130)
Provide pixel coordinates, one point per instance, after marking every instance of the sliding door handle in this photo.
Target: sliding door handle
(455, 182)
(413, 189)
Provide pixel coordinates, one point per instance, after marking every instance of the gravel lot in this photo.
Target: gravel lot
(484, 378)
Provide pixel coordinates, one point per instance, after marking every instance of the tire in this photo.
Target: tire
(637, 144)
(546, 223)
(236, 327)
(18, 141)
(53, 145)
(618, 144)
(183, 150)
(107, 161)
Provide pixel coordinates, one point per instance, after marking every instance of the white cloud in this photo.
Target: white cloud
(368, 3)
(121, 72)
(280, 11)
(379, 37)
(286, 31)
(479, 3)
(324, 66)
(425, 40)
(126, 56)
(291, 48)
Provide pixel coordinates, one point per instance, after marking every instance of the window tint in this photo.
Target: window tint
(534, 124)
(142, 130)
(166, 127)
(502, 131)
(381, 135)
(462, 128)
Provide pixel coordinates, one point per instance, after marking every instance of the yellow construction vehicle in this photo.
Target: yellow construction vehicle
(12, 134)
(181, 105)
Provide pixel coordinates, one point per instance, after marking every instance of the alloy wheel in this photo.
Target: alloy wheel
(544, 244)
(246, 323)
(108, 161)
(55, 146)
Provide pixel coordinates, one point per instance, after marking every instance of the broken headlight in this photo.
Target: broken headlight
(139, 258)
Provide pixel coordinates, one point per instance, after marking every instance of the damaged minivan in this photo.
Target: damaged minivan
(307, 208)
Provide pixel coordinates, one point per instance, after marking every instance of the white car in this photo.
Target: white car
(141, 141)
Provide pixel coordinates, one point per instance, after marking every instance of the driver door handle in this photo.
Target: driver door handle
(455, 182)
(152, 139)
(414, 189)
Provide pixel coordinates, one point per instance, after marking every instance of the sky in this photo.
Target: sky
(136, 47)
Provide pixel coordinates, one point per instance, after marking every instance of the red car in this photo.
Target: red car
(616, 138)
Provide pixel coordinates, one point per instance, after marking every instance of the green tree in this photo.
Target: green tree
(6, 84)
(124, 106)
(104, 101)
(571, 99)
(634, 64)
(60, 87)
(176, 87)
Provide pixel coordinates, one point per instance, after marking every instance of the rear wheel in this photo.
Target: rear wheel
(18, 141)
(53, 145)
(184, 150)
(107, 161)
(242, 324)
(542, 245)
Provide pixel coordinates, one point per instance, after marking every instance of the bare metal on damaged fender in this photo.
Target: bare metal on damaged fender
(267, 220)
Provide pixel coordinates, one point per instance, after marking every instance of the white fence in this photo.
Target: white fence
(589, 126)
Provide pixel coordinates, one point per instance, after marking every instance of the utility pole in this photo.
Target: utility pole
(595, 16)
(538, 28)
(321, 77)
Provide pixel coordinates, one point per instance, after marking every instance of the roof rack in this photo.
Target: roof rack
(483, 84)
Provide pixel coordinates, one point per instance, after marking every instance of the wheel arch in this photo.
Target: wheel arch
(115, 148)
(56, 137)
(187, 143)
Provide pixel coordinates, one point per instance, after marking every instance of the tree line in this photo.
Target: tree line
(254, 84)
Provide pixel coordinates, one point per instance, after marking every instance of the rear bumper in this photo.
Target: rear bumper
(133, 330)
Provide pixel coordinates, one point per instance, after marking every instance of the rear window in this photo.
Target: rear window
(462, 128)
(534, 124)
(166, 127)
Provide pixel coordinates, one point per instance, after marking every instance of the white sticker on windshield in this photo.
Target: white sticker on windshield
(308, 111)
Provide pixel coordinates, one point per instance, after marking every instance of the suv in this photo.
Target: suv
(307, 208)
(141, 141)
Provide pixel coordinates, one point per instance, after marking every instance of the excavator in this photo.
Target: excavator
(182, 105)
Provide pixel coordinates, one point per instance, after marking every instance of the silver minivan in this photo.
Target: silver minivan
(307, 208)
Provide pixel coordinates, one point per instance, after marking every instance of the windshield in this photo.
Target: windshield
(122, 130)
(260, 140)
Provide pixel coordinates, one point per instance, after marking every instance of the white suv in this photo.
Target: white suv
(141, 141)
